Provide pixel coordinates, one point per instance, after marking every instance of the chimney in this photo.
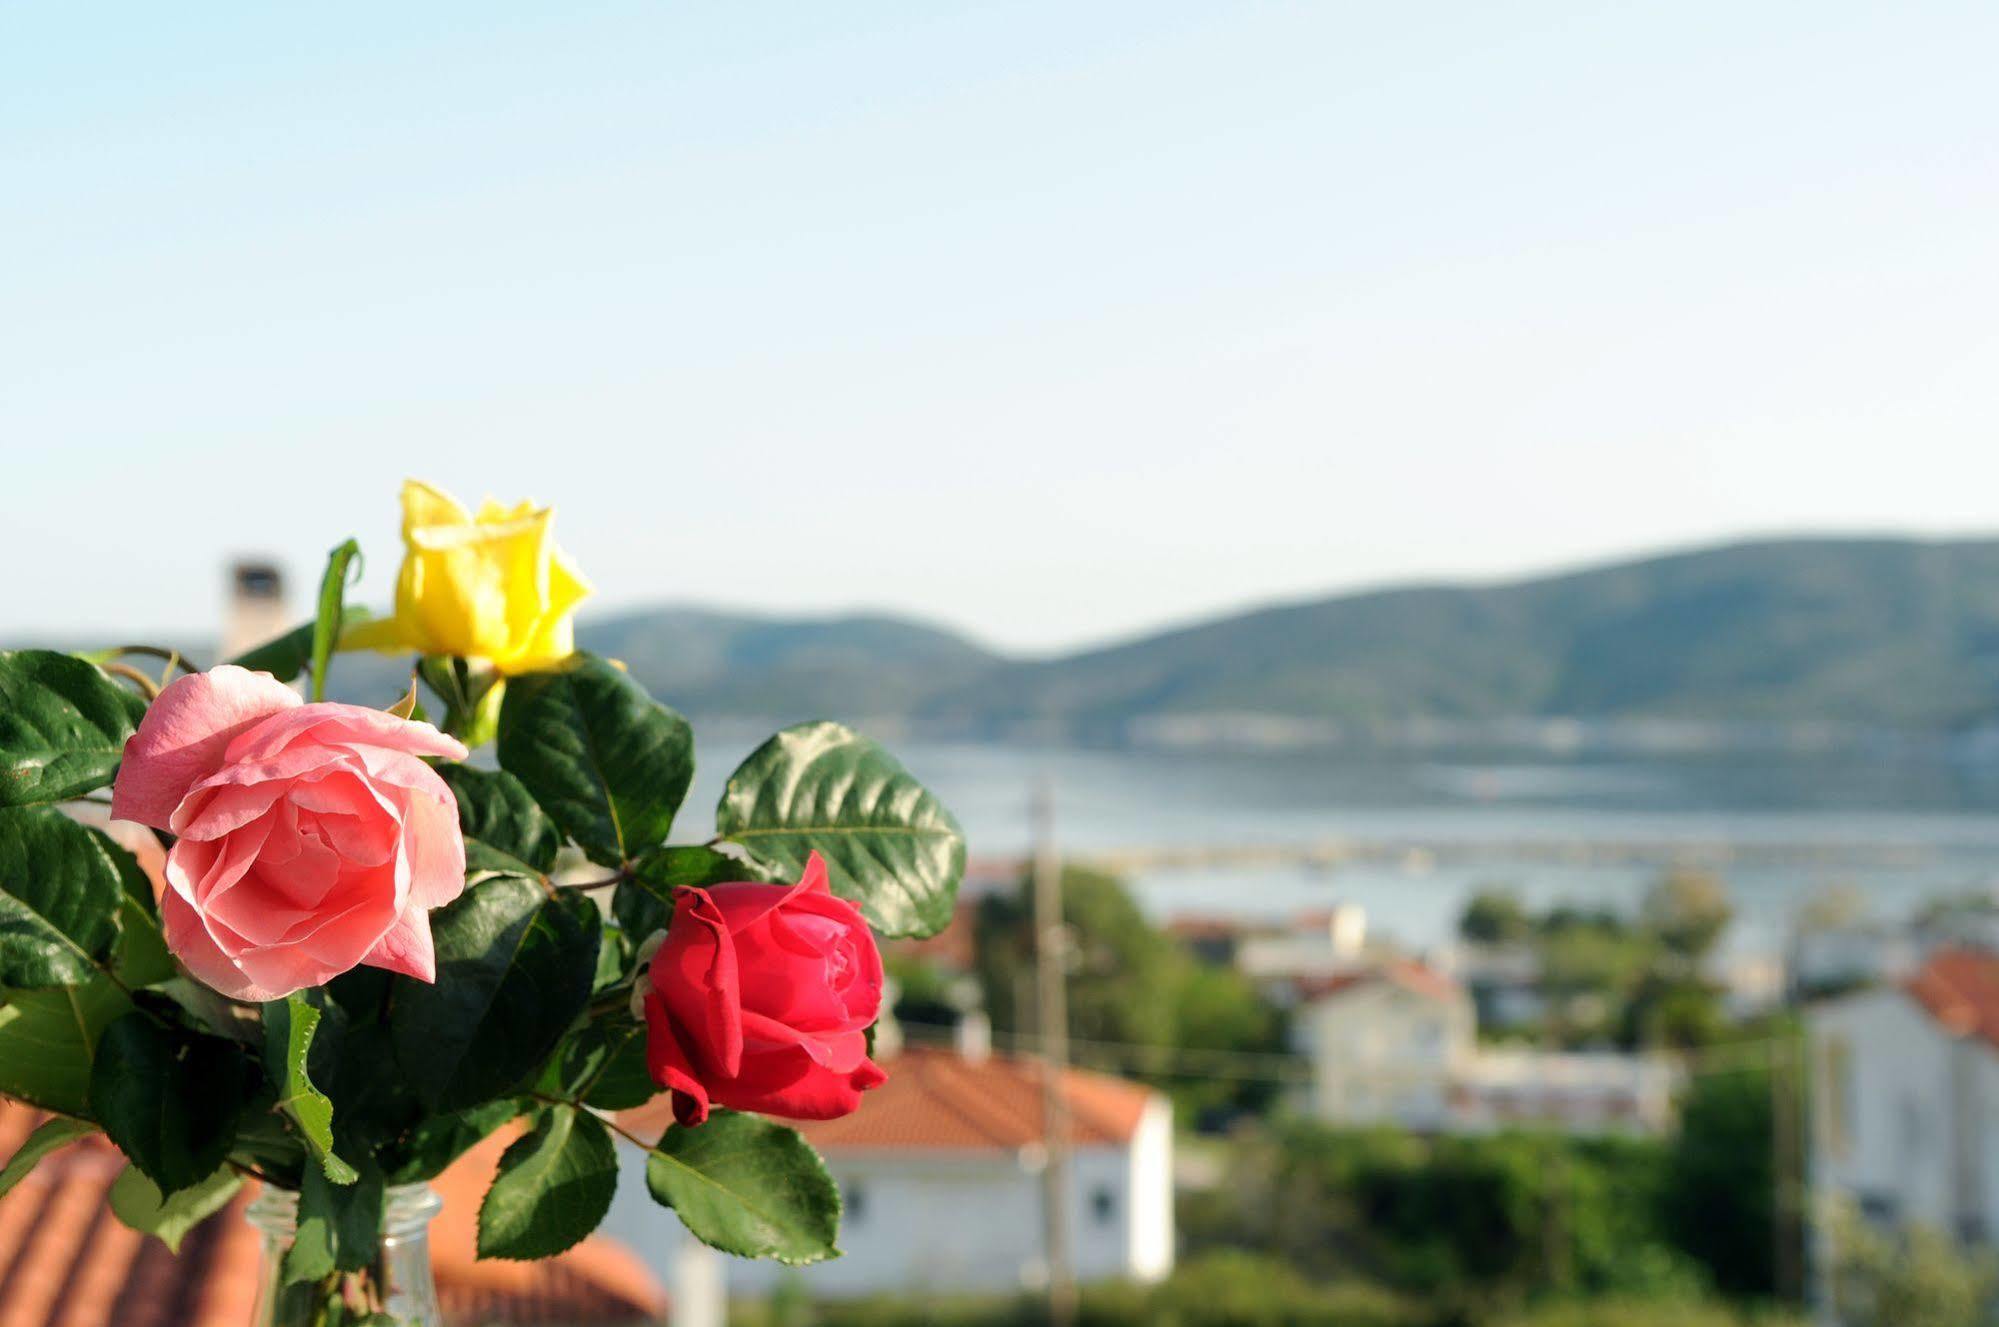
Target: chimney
(1349, 930)
(974, 1036)
(256, 611)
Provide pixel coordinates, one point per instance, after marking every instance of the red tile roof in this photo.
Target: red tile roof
(1960, 989)
(937, 1099)
(65, 1261)
(1406, 973)
(1200, 926)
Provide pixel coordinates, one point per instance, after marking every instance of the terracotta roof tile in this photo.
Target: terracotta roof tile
(65, 1261)
(1960, 989)
(1406, 973)
(938, 1099)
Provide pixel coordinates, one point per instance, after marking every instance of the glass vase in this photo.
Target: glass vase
(394, 1288)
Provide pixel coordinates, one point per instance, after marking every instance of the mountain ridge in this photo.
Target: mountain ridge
(1878, 631)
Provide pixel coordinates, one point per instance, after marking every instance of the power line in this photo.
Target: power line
(1278, 1067)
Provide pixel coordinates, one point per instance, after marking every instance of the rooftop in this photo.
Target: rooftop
(65, 1261)
(939, 1100)
(1960, 989)
(1404, 973)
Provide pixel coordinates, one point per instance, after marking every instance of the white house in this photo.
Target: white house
(1905, 1101)
(1385, 1044)
(1397, 1043)
(941, 1172)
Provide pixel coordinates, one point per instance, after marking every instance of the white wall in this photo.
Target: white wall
(951, 1222)
(692, 1273)
(1382, 1053)
(1883, 1119)
(1149, 1234)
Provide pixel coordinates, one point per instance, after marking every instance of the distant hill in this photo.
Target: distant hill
(706, 661)
(1892, 632)
(1874, 631)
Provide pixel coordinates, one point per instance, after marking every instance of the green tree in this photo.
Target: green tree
(1720, 1199)
(1916, 1279)
(1219, 1009)
(1590, 969)
(1130, 985)
(1687, 911)
(1494, 917)
(1122, 970)
(1675, 1012)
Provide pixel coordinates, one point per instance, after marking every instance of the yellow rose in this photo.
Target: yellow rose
(492, 586)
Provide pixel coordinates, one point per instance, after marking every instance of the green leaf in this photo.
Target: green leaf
(339, 1226)
(442, 1139)
(286, 656)
(602, 1063)
(169, 1098)
(644, 903)
(553, 1187)
(889, 844)
(288, 1027)
(59, 899)
(607, 762)
(204, 1009)
(749, 1187)
(140, 957)
(48, 1041)
(137, 1201)
(327, 625)
(353, 1057)
(50, 1135)
(514, 969)
(496, 812)
(624, 1080)
(63, 725)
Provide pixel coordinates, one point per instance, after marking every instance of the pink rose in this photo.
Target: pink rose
(311, 838)
(760, 999)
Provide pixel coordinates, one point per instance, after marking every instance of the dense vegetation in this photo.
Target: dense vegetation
(1238, 1289)
(1138, 1002)
(1607, 980)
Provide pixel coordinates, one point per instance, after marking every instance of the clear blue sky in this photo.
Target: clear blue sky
(1051, 320)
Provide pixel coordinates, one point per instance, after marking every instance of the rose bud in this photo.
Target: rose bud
(488, 586)
(311, 838)
(760, 998)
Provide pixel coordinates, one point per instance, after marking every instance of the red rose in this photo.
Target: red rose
(759, 999)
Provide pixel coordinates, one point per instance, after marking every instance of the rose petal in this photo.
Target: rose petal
(329, 724)
(696, 971)
(182, 739)
(406, 948)
(190, 941)
(667, 1061)
(434, 848)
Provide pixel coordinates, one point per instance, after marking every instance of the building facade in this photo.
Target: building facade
(941, 1173)
(1905, 1103)
(1395, 1042)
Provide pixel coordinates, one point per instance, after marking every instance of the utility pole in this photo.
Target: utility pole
(1052, 1014)
(1784, 1150)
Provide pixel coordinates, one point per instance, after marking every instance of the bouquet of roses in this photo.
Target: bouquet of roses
(365, 950)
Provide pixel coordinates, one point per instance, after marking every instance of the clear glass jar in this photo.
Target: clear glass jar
(396, 1286)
